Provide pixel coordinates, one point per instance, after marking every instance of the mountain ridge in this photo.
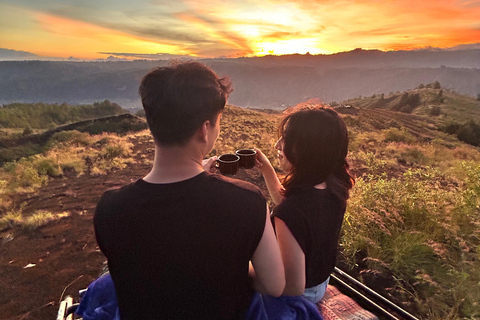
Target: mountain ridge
(259, 82)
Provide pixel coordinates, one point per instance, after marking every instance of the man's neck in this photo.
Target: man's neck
(175, 164)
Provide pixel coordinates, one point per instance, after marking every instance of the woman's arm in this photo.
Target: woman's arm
(274, 185)
(293, 260)
(268, 274)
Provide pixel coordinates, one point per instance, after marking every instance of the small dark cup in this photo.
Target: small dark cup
(228, 163)
(247, 158)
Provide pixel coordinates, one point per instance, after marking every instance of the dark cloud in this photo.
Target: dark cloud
(219, 27)
(9, 54)
(153, 56)
(224, 53)
(164, 34)
(466, 46)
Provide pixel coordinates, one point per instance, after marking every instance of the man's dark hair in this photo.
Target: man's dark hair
(177, 99)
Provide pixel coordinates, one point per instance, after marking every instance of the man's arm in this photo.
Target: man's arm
(268, 274)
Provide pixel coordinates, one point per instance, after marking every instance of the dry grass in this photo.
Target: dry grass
(16, 219)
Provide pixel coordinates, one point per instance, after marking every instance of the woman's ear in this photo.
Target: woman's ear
(202, 132)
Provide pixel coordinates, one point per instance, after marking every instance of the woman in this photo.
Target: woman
(311, 201)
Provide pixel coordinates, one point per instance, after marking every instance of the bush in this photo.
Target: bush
(29, 177)
(469, 133)
(398, 135)
(412, 156)
(27, 131)
(16, 152)
(47, 167)
(69, 137)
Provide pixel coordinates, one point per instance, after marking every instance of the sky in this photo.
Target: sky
(97, 29)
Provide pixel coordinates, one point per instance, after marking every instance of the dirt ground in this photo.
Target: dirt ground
(38, 269)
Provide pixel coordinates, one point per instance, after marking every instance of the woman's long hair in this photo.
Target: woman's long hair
(316, 144)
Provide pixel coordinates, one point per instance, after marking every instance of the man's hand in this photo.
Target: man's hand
(209, 164)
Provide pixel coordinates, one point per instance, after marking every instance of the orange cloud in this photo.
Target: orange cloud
(85, 40)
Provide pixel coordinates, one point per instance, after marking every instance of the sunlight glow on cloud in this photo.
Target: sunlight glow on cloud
(84, 40)
(212, 28)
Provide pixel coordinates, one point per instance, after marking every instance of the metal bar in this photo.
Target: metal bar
(375, 295)
(61, 310)
(367, 300)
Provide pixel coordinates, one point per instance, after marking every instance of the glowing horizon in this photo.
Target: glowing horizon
(217, 28)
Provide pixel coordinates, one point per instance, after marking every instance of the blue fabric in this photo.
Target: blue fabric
(265, 307)
(100, 301)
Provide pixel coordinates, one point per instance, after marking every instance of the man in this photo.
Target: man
(179, 241)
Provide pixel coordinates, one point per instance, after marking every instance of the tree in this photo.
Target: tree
(470, 133)
(436, 85)
(27, 131)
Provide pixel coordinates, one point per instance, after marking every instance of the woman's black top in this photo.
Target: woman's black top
(314, 217)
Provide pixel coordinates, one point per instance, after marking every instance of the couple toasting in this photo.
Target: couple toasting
(185, 243)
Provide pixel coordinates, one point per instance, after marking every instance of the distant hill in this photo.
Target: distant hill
(261, 82)
(430, 100)
(15, 147)
(420, 110)
(49, 116)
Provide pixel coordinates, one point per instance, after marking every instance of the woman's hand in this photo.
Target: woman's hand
(274, 185)
(209, 164)
(261, 160)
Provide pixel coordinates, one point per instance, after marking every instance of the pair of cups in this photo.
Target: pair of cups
(229, 163)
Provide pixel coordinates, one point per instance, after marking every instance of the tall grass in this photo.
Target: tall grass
(425, 231)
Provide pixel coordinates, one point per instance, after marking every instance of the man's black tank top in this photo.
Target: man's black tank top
(181, 250)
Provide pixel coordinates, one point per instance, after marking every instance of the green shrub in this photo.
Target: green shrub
(14, 153)
(29, 177)
(47, 167)
(69, 137)
(27, 131)
(398, 135)
(469, 133)
(412, 156)
(114, 151)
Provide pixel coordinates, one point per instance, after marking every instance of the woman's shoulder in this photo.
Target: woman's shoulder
(307, 201)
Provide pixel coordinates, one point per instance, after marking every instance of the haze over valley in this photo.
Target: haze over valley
(272, 82)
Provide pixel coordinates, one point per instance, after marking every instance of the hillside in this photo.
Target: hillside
(411, 230)
(49, 116)
(15, 146)
(435, 107)
(433, 102)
